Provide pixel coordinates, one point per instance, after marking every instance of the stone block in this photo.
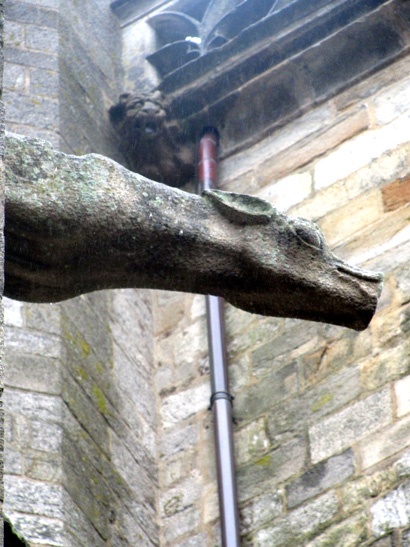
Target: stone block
(403, 466)
(360, 151)
(402, 392)
(391, 511)
(267, 472)
(46, 345)
(260, 511)
(42, 317)
(31, 14)
(373, 84)
(30, 58)
(385, 443)
(295, 334)
(181, 406)
(314, 403)
(178, 525)
(13, 312)
(251, 441)
(299, 524)
(131, 324)
(169, 310)
(332, 133)
(131, 383)
(288, 191)
(17, 432)
(178, 440)
(350, 425)
(46, 436)
(44, 83)
(319, 478)
(14, 34)
(386, 168)
(323, 202)
(13, 461)
(253, 331)
(41, 39)
(392, 102)
(396, 194)
(175, 470)
(352, 217)
(36, 528)
(32, 372)
(14, 78)
(350, 533)
(43, 466)
(39, 112)
(389, 365)
(388, 541)
(261, 397)
(33, 406)
(31, 497)
(181, 497)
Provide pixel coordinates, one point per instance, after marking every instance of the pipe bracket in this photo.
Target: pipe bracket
(220, 395)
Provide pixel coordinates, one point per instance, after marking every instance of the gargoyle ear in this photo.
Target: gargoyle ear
(240, 208)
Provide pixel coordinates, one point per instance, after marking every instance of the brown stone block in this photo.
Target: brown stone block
(396, 194)
(313, 146)
(353, 217)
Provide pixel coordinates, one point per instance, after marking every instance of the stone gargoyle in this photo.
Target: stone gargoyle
(79, 224)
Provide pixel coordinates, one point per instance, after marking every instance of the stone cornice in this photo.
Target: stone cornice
(279, 67)
(290, 61)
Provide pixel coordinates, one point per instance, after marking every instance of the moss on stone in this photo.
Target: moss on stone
(264, 461)
(102, 405)
(326, 398)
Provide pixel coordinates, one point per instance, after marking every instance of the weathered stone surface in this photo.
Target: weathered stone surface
(387, 442)
(319, 478)
(261, 510)
(33, 497)
(272, 468)
(352, 532)
(350, 424)
(315, 403)
(299, 524)
(176, 239)
(392, 511)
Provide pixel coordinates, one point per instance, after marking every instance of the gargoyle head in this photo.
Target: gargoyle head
(152, 143)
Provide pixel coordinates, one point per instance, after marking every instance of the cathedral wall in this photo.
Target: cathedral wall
(322, 413)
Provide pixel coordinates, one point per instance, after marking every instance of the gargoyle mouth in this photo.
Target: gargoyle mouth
(358, 272)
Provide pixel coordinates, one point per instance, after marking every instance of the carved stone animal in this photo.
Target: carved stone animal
(79, 224)
(153, 145)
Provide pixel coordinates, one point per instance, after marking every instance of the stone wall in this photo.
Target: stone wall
(322, 413)
(80, 458)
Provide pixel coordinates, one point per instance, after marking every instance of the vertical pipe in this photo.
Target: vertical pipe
(221, 400)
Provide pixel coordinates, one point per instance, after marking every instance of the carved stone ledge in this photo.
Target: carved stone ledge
(299, 55)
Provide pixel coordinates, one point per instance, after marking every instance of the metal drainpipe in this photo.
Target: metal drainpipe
(221, 400)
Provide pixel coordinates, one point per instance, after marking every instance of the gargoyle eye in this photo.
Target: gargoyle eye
(309, 235)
